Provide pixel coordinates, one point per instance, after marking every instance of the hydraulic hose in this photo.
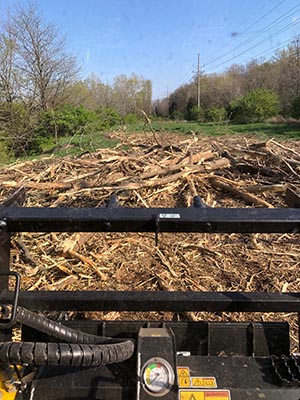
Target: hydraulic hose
(81, 349)
(56, 329)
(64, 354)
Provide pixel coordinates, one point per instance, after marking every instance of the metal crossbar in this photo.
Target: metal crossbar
(121, 219)
(156, 301)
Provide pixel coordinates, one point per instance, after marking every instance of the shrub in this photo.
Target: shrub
(177, 115)
(68, 121)
(109, 117)
(195, 113)
(18, 126)
(255, 106)
(63, 122)
(216, 114)
(131, 119)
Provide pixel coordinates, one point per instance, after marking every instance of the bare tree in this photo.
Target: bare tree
(9, 79)
(132, 93)
(289, 76)
(40, 56)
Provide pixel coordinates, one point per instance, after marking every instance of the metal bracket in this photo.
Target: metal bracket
(16, 199)
(292, 199)
(10, 321)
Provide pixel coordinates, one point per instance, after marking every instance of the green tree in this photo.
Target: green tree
(68, 121)
(255, 106)
(195, 113)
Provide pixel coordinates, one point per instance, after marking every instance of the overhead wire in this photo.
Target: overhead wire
(285, 28)
(272, 24)
(256, 35)
(244, 31)
(233, 39)
(281, 46)
(187, 77)
(190, 77)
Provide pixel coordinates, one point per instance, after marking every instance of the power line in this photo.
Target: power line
(198, 82)
(256, 34)
(269, 51)
(270, 25)
(189, 77)
(187, 80)
(246, 30)
(234, 38)
(257, 44)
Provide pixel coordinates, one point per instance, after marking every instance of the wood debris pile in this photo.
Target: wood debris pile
(225, 172)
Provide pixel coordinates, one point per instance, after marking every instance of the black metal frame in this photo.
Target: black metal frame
(121, 219)
(112, 218)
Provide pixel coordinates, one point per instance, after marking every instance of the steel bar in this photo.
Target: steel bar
(156, 301)
(218, 220)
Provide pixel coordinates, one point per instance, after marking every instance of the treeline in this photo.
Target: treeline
(242, 93)
(41, 94)
(43, 98)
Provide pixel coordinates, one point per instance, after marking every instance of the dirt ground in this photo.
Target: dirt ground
(166, 171)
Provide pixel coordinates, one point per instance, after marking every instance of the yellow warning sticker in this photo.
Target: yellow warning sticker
(184, 382)
(204, 382)
(183, 374)
(204, 395)
(191, 395)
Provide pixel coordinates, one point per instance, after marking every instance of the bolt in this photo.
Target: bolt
(207, 227)
(107, 226)
(2, 224)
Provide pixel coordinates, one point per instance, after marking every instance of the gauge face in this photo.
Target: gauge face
(158, 376)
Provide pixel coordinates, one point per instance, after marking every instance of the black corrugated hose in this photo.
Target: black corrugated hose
(81, 349)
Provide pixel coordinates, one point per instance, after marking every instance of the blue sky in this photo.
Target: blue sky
(160, 39)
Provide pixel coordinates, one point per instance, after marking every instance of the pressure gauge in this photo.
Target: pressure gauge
(158, 376)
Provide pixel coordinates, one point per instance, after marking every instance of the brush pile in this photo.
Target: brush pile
(224, 172)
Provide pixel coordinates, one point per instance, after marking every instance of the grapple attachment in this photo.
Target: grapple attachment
(143, 360)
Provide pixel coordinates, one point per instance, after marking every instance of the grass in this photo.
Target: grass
(89, 142)
(78, 144)
(281, 131)
(66, 146)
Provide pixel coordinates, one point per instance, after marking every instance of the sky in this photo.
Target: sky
(160, 39)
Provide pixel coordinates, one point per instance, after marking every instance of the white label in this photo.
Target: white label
(169, 215)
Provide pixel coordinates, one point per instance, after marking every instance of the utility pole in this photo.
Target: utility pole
(198, 82)
(298, 66)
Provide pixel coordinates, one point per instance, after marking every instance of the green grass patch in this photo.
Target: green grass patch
(66, 146)
(91, 141)
(281, 131)
(78, 144)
